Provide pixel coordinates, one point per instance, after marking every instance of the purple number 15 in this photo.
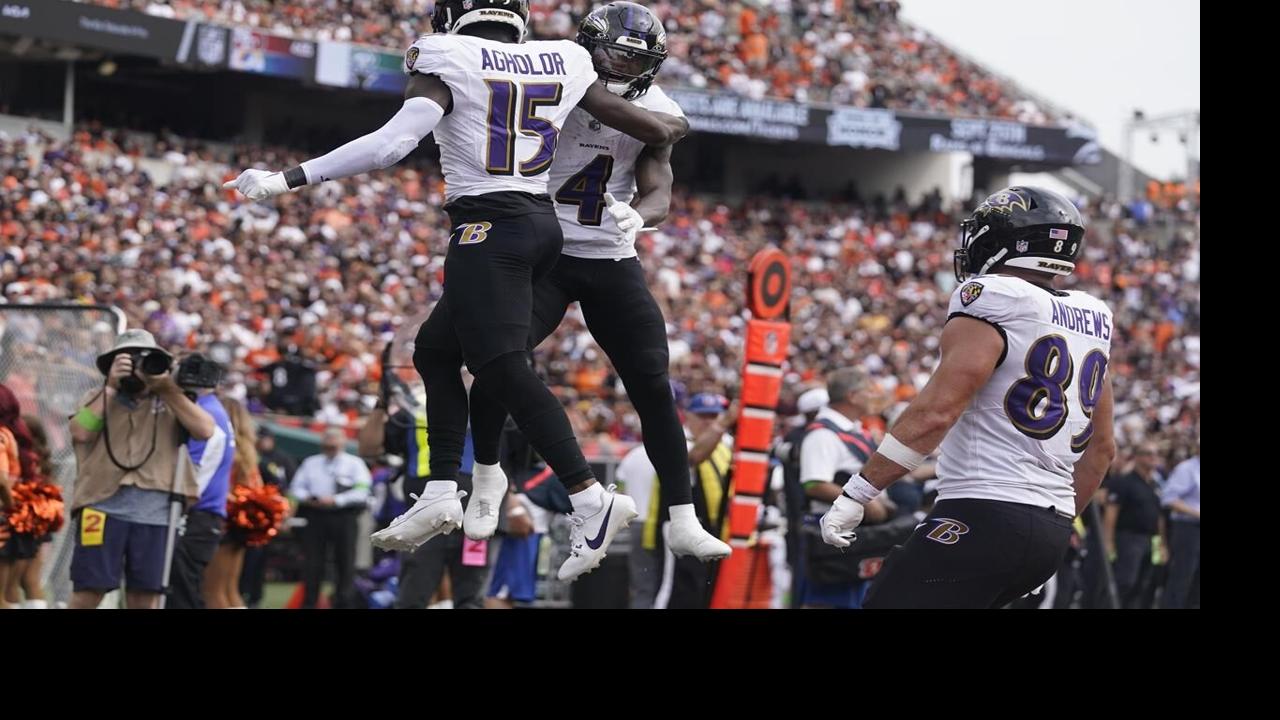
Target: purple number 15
(504, 97)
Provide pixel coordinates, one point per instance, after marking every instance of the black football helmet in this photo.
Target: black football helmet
(450, 16)
(627, 45)
(1023, 227)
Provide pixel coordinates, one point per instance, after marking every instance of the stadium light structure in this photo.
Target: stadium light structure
(1186, 123)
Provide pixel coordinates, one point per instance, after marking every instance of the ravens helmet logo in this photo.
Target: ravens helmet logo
(1006, 201)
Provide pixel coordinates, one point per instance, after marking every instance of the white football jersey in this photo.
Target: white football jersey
(594, 159)
(509, 102)
(1019, 439)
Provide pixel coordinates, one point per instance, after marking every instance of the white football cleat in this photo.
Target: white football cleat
(686, 537)
(433, 514)
(590, 537)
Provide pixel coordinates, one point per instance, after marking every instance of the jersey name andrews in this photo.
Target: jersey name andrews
(1081, 320)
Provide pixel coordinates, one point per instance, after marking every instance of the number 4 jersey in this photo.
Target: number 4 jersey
(1019, 439)
(509, 102)
(594, 159)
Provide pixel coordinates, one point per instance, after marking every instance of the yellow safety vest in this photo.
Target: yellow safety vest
(711, 474)
(420, 438)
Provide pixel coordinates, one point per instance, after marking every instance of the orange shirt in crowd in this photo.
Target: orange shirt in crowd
(588, 379)
(754, 49)
(1164, 333)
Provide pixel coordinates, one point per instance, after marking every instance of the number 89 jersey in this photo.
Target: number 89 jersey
(1020, 437)
(509, 102)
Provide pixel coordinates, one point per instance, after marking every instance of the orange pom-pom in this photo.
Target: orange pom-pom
(37, 508)
(258, 512)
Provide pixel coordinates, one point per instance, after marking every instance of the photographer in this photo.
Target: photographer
(127, 439)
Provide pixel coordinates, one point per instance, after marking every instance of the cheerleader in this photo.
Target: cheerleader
(44, 499)
(255, 513)
(18, 492)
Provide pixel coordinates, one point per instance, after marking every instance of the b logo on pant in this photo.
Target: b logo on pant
(473, 233)
(948, 531)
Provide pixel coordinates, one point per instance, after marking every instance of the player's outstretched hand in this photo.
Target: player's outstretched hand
(258, 184)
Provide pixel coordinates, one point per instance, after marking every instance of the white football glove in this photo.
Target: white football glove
(839, 522)
(629, 221)
(258, 184)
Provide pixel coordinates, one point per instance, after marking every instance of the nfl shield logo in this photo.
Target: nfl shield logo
(1021, 246)
(211, 45)
(969, 293)
(771, 343)
(594, 125)
(466, 4)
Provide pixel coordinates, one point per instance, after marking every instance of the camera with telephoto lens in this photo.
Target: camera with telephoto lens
(148, 362)
(198, 371)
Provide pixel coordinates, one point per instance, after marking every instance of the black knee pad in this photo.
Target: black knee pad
(651, 361)
(507, 372)
(428, 361)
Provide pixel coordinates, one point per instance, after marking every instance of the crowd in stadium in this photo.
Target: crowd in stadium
(335, 270)
(848, 52)
(298, 297)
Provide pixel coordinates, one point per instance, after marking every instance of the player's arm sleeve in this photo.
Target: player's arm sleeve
(389, 144)
(382, 148)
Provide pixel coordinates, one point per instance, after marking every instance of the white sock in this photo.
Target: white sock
(589, 501)
(440, 487)
(683, 513)
(35, 604)
(488, 474)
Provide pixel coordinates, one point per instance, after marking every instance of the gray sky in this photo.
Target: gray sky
(1099, 59)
